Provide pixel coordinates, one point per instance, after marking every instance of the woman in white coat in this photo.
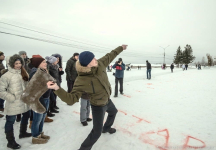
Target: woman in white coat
(12, 85)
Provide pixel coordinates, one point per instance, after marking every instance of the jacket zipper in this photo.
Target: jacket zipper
(92, 87)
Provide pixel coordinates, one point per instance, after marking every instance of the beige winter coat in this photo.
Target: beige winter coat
(11, 88)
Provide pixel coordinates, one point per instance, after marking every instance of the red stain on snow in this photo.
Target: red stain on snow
(122, 112)
(194, 147)
(157, 139)
(149, 83)
(76, 112)
(127, 96)
(140, 119)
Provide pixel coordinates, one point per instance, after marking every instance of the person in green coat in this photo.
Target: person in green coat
(93, 80)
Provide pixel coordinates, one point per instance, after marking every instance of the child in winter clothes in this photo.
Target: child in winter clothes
(12, 85)
(38, 136)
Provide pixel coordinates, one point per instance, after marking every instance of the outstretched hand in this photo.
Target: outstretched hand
(52, 85)
(124, 47)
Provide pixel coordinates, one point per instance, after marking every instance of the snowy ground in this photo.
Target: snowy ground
(171, 111)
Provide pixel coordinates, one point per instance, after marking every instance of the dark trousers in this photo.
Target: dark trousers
(98, 113)
(120, 80)
(70, 85)
(171, 70)
(11, 119)
(1, 103)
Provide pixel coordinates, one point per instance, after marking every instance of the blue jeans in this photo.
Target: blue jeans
(149, 74)
(1, 103)
(11, 119)
(38, 119)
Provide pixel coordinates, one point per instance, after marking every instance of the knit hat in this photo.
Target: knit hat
(120, 59)
(51, 59)
(36, 60)
(75, 54)
(1, 53)
(22, 52)
(85, 58)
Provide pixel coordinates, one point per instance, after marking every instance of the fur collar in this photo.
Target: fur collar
(82, 69)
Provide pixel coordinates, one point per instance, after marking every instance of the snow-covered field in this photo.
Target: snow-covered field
(171, 111)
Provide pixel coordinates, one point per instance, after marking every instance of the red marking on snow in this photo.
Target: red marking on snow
(194, 147)
(140, 119)
(122, 112)
(149, 83)
(127, 96)
(126, 131)
(76, 112)
(157, 139)
(150, 88)
(138, 91)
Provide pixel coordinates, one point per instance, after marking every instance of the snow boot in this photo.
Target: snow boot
(48, 119)
(52, 110)
(18, 118)
(43, 136)
(49, 114)
(115, 95)
(39, 140)
(111, 131)
(84, 123)
(89, 119)
(23, 133)
(122, 93)
(11, 141)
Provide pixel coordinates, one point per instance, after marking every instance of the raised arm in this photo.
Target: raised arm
(109, 57)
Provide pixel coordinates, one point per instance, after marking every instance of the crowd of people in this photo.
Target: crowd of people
(81, 69)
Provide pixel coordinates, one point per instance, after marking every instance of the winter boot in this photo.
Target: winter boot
(30, 124)
(49, 114)
(53, 110)
(45, 136)
(18, 118)
(111, 131)
(1, 116)
(84, 123)
(89, 119)
(55, 107)
(115, 95)
(23, 133)
(38, 140)
(11, 141)
(122, 93)
(48, 119)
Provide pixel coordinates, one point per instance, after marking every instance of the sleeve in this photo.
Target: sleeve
(123, 66)
(108, 58)
(114, 66)
(68, 68)
(3, 90)
(69, 98)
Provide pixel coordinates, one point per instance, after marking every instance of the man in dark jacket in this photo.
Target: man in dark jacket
(2, 67)
(71, 72)
(119, 75)
(94, 81)
(186, 66)
(172, 67)
(148, 70)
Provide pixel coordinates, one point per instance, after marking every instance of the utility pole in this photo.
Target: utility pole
(164, 52)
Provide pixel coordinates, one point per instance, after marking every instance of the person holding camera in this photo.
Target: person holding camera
(120, 67)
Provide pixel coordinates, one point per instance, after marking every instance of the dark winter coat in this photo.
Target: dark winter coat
(60, 66)
(186, 66)
(54, 72)
(94, 81)
(172, 66)
(26, 66)
(148, 66)
(119, 70)
(71, 73)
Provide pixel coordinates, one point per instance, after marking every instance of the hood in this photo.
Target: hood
(82, 70)
(60, 59)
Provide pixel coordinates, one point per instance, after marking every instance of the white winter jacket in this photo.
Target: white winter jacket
(11, 88)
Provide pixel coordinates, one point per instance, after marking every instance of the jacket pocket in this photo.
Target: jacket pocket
(93, 87)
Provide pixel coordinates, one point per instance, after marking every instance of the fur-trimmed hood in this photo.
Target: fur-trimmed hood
(13, 59)
(80, 69)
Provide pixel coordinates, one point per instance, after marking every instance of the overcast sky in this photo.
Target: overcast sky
(100, 26)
